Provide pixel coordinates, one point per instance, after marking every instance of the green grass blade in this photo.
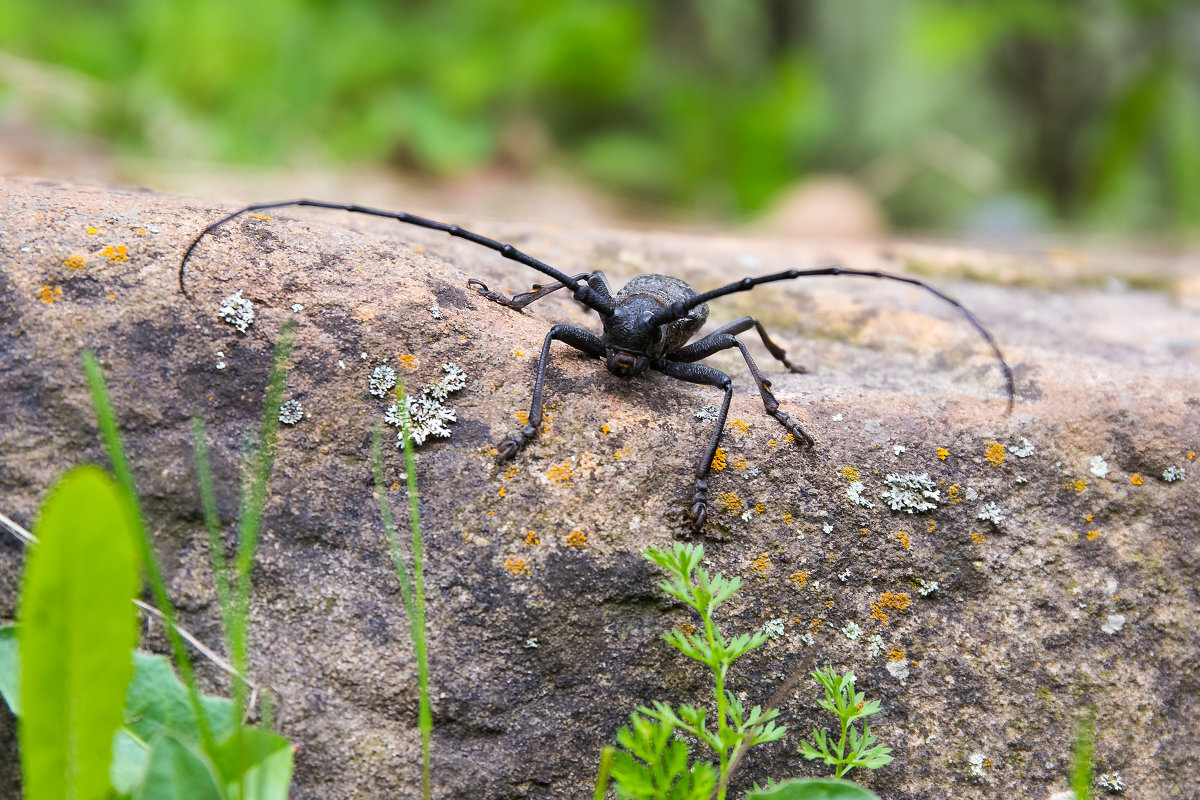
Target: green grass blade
(149, 562)
(10, 669)
(76, 635)
(389, 526)
(253, 502)
(212, 522)
(1081, 761)
(602, 775)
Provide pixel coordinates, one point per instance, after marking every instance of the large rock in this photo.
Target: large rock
(1083, 595)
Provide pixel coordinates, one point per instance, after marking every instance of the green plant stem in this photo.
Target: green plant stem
(412, 595)
(606, 759)
(116, 453)
(212, 521)
(250, 524)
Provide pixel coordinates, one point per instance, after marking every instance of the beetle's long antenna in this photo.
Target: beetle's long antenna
(583, 293)
(680, 308)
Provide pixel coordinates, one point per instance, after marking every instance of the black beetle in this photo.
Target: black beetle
(647, 325)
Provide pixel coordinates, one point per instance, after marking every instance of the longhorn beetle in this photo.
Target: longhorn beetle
(647, 325)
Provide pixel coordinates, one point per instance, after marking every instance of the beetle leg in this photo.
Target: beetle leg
(741, 326)
(700, 373)
(525, 298)
(722, 340)
(579, 339)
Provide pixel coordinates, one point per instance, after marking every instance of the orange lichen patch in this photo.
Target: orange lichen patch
(531, 538)
(850, 473)
(790, 438)
(619, 454)
(116, 254)
(799, 578)
(1092, 535)
(895, 654)
(1191, 454)
(816, 623)
(261, 216)
(930, 526)
(995, 454)
(978, 538)
(772, 443)
(953, 494)
(730, 502)
(518, 354)
(501, 491)
(560, 473)
(605, 429)
(741, 463)
(787, 518)
(942, 453)
(762, 565)
(92, 229)
(688, 628)
(511, 472)
(1078, 485)
(896, 601)
(738, 426)
(49, 294)
(759, 508)
(719, 460)
(577, 539)
(866, 531)
(395, 485)
(517, 566)
(1136, 480)
(408, 360)
(1088, 518)
(902, 537)
(74, 262)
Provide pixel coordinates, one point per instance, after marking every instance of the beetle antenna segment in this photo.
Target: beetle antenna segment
(680, 308)
(582, 292)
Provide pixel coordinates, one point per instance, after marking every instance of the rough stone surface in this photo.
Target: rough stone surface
(1001, 657)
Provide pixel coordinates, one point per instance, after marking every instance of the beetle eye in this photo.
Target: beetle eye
(646, 317)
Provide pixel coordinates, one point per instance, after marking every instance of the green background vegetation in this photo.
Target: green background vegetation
(950, 112)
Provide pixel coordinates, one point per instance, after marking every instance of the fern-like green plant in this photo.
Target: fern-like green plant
(852, 749)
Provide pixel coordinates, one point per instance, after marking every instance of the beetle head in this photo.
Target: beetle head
(631, 340)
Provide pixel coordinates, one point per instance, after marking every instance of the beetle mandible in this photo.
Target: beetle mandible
(647, 326)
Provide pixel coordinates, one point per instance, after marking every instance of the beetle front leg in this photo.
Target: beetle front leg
(519, 301)
(699, 373)
(579, 339)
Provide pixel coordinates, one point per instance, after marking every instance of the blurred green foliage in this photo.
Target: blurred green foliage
(1085, 111)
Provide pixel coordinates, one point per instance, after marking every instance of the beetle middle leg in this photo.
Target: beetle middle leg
(723, 340)
(594, 279)
(703, 374)
(741, 326)
(579, 339)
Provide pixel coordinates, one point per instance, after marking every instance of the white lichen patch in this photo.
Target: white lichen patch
(897, 449)
(1099, 467)
(291, 412)
(827, 527)
(1112, 781)
(773, 628)
(297, 307)
(976, 760)
(707, 413)
(805, 639)
(874, 644)
(927, 587)
(237, 311)
(898, 669)
(852, 630)
(854, 495)
(1172, 474)
(1022, 449)
(837, 417)
(1113, 623)
(381, 380)
(911, 492)
(992, 513)
(425, 414)
(436, 312)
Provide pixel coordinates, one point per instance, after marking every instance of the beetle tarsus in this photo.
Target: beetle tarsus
(511, 445)
(699, 507)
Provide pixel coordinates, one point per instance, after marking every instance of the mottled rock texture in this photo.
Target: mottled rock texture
(1001, 658)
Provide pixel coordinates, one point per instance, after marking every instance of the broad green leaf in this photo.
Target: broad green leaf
(77, 630)
(176, 772)
(130, 758)
(814, 789)
(157, 702)
(10, 668)
(255, 765)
